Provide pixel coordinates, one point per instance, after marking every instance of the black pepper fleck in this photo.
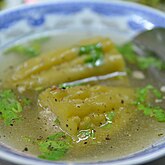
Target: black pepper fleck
(39, 138)
(107, 138)
(25, 149)
(160, 134)
(122, 101)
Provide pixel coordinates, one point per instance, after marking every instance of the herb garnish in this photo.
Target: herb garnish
(109, 117)
(94, 53)
(33, 49)
(148, 109)
(55, 146)
(10, 108)
(142, 62)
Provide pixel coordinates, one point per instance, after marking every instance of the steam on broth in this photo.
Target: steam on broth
(84, 101)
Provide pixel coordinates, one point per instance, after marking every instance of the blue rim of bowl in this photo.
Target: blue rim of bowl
(150, 154)
(58, 7)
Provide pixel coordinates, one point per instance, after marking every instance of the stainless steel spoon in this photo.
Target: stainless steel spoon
(152, 41)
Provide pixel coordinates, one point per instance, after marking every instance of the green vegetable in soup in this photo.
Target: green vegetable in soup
(29, 51)
(10, 107)
(144, 105)
(110, 118)
(94, 54)
(128, 53)
(142, 63)
(55, 146)
(32, 50)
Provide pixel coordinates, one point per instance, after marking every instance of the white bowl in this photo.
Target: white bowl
(114, 17)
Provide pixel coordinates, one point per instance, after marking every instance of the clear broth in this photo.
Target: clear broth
(140, 134)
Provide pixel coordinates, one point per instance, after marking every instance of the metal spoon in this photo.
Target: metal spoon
(152, 41)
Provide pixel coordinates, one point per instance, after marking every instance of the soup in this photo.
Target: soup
(84, 99)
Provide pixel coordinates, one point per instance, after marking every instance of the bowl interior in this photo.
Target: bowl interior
(117, 20)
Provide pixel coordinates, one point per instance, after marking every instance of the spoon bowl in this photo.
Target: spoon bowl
(152, 41)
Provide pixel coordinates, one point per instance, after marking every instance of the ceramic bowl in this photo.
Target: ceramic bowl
(116, 18)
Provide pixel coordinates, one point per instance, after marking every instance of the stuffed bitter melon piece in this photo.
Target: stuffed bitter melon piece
(86, 107)
(75, 70)
(92, 57)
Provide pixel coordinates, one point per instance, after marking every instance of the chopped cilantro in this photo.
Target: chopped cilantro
(142, 93)
(33, 49)
(155, 112)
(142, 62)
(128, 53)
(10, 108)
(94, 54)
(29, 51)
(95, 58)
(159, 114)
(109, 117)
(148, 109)
(87, 49)
(146, 62)
(55, 146)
